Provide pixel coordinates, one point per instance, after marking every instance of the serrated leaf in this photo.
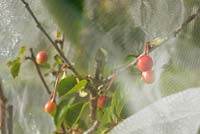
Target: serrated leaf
(15, 68)
(79, 86)
(22, 51)
(66, 84)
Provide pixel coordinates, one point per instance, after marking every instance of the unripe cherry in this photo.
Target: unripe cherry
(101, 100)
(50, 107)
(144, 63)
(148, 76)
(41, 57)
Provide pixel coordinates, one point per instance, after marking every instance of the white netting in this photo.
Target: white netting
(175, 114)
(121, 27)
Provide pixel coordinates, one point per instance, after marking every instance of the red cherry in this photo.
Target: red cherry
(41, 57)
(101, 100)
(50, 107)
(144, 63)
(148, 77)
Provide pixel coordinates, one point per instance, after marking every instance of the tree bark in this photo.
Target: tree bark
(2, 110)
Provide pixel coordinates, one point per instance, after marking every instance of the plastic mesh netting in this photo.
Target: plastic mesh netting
(122, 27)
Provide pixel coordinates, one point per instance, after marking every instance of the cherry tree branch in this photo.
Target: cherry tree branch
(59, 73)
(175, 33)
(10, 119)
(92, 128)
(39, 71)
(49, 37)
(2, 110)
(187, 21)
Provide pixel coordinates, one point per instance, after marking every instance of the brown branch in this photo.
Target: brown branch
(2, 110)
(92, 128)
(60, 71)
(184, 24)
(53, 95)
(92, 103)
(49, 38)
(39, 71)
(10, 119)
(100, 60)
(187, 21)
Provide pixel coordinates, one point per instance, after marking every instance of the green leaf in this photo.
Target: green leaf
(79, 86)
(118, 101)
(130, 58)
(62, 109)
(81, 112)
(22, 51)
(66, 84)
(105, 115)
(74, 113)
(15, 68)
(12, 62)
(58, 59)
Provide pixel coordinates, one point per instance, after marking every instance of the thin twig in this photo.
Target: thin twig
(100, 60)
(49, 38)
(187, 21)
(60, 71)
(92, 128)
(53, 96)
(174, 34)
(39, 71)
(63, 128)
(10, 119)
(93, 103)
(110, 84)
(2, 110)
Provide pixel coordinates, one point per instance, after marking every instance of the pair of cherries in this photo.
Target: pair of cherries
(145, 64)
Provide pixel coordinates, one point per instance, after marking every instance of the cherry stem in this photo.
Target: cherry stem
(47, 48)
(53, 95)
(146, 49)
(110, 83)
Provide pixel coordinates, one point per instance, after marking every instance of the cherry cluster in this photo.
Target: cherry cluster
(145, 64)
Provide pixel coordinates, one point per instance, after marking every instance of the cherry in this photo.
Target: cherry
(41, 57)
(101, 100)
(50, 107)
(148, 76)
(144, 63)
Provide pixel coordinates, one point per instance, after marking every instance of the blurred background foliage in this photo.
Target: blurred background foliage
(92, 24)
